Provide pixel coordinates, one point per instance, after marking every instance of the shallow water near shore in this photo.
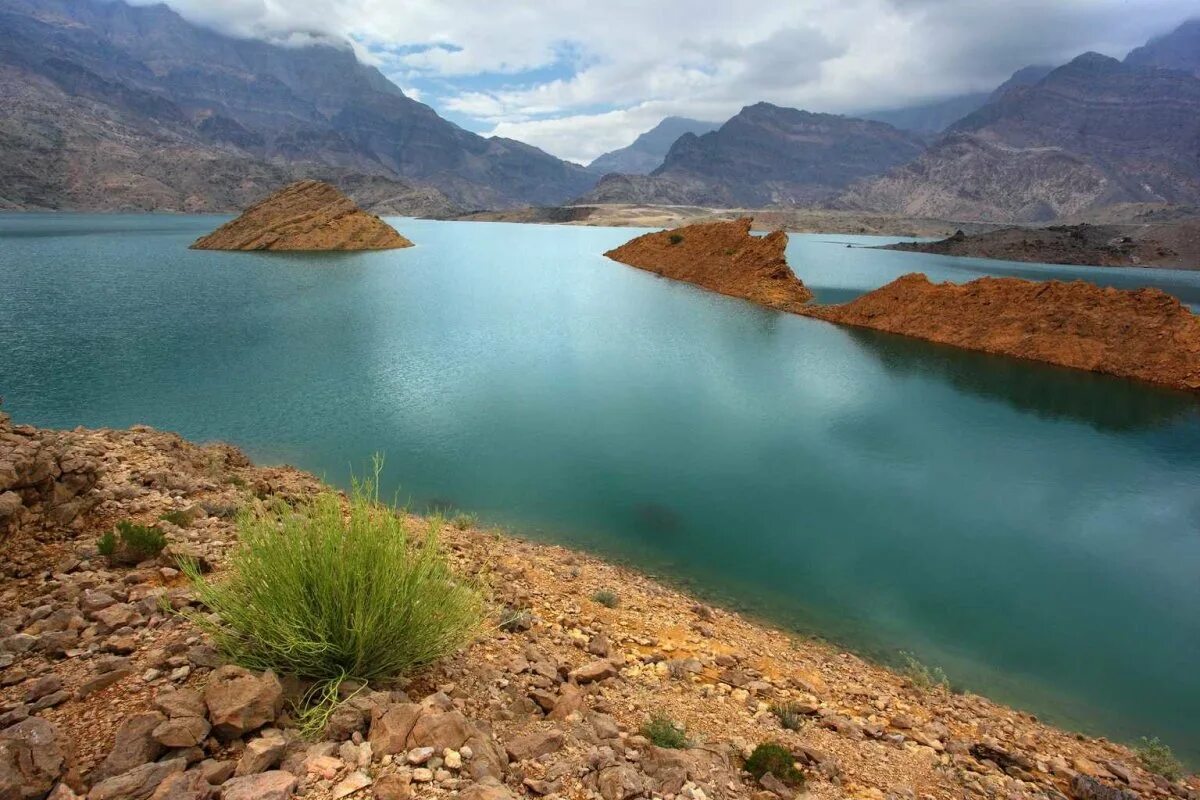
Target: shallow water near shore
(1034, 531)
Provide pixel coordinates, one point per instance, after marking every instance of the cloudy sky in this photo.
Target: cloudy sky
(578, 78)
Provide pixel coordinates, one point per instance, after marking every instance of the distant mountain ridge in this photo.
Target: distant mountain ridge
(1179, 49)
(766, 155)
(126, 96)
(647, 152)
(1092, 133)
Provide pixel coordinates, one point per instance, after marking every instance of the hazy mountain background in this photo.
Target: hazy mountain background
(115, 107)
(647, 152)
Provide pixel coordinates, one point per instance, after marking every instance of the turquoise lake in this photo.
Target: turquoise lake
(1034, 531)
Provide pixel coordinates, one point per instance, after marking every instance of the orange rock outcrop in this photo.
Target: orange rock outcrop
(307, 215)
(1144, 333)
(722, 257)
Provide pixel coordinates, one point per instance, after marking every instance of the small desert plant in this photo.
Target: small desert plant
(180, 517)
(922, 676)
(1158, 758)
(675, 238)
(327, 591)
(789, 715)
(607, 598)
(463, 521)
(774, 758)
(662, 731)
(131, 543)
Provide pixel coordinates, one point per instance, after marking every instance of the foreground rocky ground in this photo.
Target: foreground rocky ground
(106, 693)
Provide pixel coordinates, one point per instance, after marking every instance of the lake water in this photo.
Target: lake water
(1032, 530)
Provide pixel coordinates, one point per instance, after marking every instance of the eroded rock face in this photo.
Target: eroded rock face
(1144, 334)
(306, 215)
(722, 257)
(45, 477)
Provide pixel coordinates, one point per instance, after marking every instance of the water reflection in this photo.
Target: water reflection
(1045, 390)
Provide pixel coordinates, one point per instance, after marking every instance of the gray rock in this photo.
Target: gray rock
(620, 783)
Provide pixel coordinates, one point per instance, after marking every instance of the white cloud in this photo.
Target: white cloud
(624, 64)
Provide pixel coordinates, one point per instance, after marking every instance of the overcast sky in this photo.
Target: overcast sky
(580, 78)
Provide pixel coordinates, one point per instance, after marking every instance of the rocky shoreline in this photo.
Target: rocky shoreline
(107, 694)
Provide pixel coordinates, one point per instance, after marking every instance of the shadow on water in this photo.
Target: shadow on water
(1045, 390)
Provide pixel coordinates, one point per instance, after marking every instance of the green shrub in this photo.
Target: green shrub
(922, 676)
(776, 759)
(131, 543)
(1158, 758)
(464, 521)
(675, 238)
(326, 597)
(607, 598)
(789, 715)
(662, 731)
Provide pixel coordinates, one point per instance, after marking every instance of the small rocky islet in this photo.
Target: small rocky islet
(1144, 334)
(107, 693)
(304, 216)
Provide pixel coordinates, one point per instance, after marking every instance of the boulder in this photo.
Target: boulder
(261, 754)
(180, 703)
(486, 789)
(239, 701)
(33, 754)
(134, 745)
(449, 729)
(182, 731)
(190, 785)
(535, 745)
(138, 783)
(393, 786)
(273, 785)
(594, 671)
(391, 726)
(620, 782)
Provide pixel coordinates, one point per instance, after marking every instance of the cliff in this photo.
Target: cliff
(307, 215)
(722, 257)
(1144, 334)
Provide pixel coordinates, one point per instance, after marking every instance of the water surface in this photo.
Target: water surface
(1033, 530)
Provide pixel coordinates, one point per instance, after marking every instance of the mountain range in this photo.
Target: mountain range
(109, 106)
(121, 107)
(650, 148)
(766, 155)
(1093, 133)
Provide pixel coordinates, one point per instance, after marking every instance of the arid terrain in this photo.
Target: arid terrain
(108, 693)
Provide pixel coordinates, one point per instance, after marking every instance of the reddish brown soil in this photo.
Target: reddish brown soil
(722, 257)
(1145, 334)
(307, 215)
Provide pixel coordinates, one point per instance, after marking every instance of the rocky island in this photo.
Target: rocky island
(588, 680)
(306, 215)
(1144, 334)
(722, 257)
